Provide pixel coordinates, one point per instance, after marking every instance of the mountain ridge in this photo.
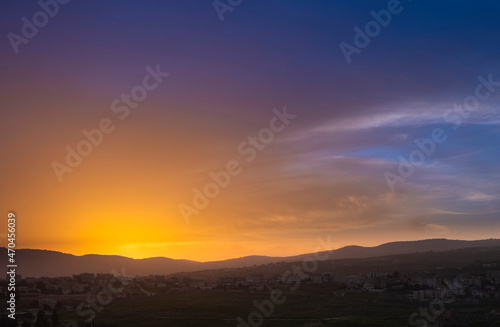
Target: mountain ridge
(47, 263)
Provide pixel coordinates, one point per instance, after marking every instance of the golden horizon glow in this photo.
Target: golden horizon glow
(313, 136)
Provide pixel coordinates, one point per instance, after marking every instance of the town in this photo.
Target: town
(86, 295)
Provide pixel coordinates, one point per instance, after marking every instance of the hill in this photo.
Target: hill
(38, 263)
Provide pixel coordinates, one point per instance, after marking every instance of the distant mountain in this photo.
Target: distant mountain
(37, 263)
(473, 260)
(404, 247)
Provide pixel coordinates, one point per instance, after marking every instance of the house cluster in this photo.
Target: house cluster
(418, 286)
(373, 282)
(464, 285)
(78, 284)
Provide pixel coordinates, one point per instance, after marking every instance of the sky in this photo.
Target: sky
(394, 139)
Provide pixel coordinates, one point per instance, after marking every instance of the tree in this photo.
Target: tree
(41, 320)
(55, 318)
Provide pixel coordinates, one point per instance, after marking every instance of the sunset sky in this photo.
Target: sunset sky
(323, 174)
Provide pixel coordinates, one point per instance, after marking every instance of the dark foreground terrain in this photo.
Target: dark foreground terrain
(446, 289)
(313, 305)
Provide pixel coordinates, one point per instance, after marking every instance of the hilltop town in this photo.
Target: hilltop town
(465, 292)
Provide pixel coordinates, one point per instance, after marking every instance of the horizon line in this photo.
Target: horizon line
(253, 255)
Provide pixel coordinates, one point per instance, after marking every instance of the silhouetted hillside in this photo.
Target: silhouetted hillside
(37, 263)
(404, 247)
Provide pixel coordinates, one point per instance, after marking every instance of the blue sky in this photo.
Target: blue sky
(324, 172)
